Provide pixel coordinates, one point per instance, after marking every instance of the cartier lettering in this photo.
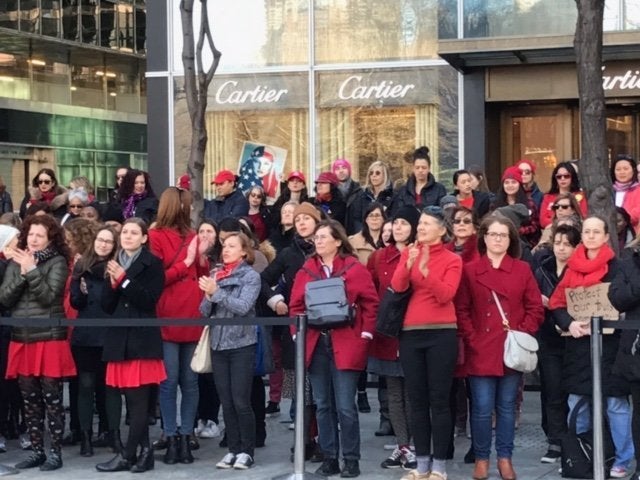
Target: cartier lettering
(352, 88)
(229, 93)
(628, 81)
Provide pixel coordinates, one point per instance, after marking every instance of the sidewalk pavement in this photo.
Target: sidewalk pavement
(273, 459)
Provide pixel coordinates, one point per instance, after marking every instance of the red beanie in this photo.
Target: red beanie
(532, 166)
(512, 173)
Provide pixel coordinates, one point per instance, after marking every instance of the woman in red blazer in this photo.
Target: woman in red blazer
(493, 385)
(336, 357)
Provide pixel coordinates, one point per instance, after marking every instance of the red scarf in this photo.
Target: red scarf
(227, 269)
(46, 197)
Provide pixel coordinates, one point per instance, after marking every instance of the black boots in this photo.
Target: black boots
(34, 460)
(363, 403)
(185, 449)
(116, 464)
(54, 462)
(145, 461)
(86, 448)
(109, 439)
(172, 455)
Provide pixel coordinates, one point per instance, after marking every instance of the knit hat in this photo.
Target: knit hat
(307, 209)
(224, 176)
(517, 213)
(184, 182)
(408, 213)
(7, 233)
(341, 162)
(448, 200)
(328, 177)
(297, 174)
(513, 173)
(530, 164)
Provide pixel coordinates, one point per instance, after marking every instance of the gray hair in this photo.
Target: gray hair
(79, 193)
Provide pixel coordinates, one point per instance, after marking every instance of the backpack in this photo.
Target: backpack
(326, 301)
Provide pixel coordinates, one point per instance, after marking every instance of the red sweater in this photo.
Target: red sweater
(546, 212)
(432, 300)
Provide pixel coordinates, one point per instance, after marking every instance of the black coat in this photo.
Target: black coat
(430, 195)
(481, 203)
(147, 209)
(624, 295)
(281, 240)
(89, 305)
(135, 297)
(548, 279)
(336, 208)
(234, 205)
(359, 204)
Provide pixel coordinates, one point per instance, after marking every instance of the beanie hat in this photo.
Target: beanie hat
(530, 164)
(410, 214)
(341, 162)
(517, 213)
(184, 182)
(307, 209)
(448, 200)
(328, 177)
(7, 233)
(513, 173)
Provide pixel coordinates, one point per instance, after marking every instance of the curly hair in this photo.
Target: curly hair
(82, 231)
(55, 233)
(129, 181)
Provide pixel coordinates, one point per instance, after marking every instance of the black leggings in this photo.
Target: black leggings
(87, 389)
(138, 407)
(38, 393)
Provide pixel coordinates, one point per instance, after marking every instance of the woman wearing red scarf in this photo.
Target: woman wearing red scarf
(624, 176)
(593, 262)
(44, 188)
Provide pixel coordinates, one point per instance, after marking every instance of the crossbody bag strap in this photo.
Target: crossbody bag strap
(505, 322)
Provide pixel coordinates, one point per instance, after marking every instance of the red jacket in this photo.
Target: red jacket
(479, 320)
(382, 263)
(349, 349)
(181, 296)
(546, 212)
(631, 204)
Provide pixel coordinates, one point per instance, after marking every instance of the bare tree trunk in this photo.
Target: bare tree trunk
(197, 81)
(594, 162)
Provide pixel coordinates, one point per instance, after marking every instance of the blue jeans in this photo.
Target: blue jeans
(334, 392)
(489, 394)
(619, 416)
(177, 363)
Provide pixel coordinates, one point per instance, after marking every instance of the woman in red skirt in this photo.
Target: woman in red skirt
(134, 354)
(39, 357)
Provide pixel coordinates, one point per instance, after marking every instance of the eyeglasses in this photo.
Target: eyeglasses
(375, 172)
(106, 241)
(76, 206)
(46, 182)
(526, 172)
(563, 206)
(119, 177)
(256, 195)
(317, 238)
(563, 176)
(374, 215)
(466, 221)
(497, 235)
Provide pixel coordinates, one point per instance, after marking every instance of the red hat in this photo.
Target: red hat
(328, 177)
(532, 166)
(341, 162)
(224, 176)
(297, 174)
(512, 173)
(184, 182)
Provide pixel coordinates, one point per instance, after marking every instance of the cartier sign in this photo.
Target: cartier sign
(620, 79)
(259, 92)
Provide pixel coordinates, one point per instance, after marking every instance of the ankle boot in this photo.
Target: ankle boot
(145, 461)
(86, 448)
(185, 449)
(505, 469)
(172, 454)
(481, 470)
(363, 403)
(54, 461)
(116, 464)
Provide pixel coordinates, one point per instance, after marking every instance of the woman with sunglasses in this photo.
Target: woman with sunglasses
(259, 212)
(564, 207)
(378, 189)
(44, 188)
(77, 200)
(564, 179)
(428, 341)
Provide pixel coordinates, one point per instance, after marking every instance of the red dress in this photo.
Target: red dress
(51, 358)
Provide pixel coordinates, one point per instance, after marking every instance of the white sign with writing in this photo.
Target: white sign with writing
(586, 302)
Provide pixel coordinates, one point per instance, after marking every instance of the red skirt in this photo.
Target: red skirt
(134, 373)
(50, 358)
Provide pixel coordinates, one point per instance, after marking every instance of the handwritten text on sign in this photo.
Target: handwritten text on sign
(586, 302)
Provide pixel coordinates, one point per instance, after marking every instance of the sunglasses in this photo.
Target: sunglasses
(255, 195)
(466, 221)
(46, 182)
(563, 207)
(375, 172)
(76, 206)
(526, 172)
(563, 176)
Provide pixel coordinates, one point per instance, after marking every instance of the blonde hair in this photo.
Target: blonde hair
(385, 174)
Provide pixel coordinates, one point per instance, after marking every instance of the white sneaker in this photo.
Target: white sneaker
(210, 430)
(199, 428)
(243, 461)
(227, 461)
(292, 426)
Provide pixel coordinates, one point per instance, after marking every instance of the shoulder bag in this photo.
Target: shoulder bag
(326, 301)
(201, 360)
(519, 347)
(391, 312)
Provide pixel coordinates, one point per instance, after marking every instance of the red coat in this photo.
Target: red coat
(181, 296)
(479, 320)
(382, 263)
(631, 204)
(349, 349)
(546, 212)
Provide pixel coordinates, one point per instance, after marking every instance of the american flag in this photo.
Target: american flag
(249, 171)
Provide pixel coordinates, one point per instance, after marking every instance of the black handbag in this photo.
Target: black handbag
(391, 312)
(577, 449)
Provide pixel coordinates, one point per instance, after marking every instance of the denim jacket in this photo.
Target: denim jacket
(236, 297)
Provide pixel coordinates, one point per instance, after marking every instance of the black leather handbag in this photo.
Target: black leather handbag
(391, 312)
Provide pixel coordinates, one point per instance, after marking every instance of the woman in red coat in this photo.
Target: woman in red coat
(176, 244)
(493, 385)
(336, 357)
(564, 179)
(383, 355)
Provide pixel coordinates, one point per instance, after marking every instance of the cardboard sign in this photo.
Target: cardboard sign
(586, 302)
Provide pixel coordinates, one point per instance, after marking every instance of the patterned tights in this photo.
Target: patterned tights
(39, 393)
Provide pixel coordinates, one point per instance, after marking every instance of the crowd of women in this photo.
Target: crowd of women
(476, 263)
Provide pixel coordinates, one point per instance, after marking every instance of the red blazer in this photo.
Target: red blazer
(350, 350)
(382, 263)
(479, 321)
(546, 212)
(181, 296)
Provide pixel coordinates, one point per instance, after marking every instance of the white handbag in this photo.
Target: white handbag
(520, 348)
(201, 360)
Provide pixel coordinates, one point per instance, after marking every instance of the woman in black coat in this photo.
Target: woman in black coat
(134, 354)
(86, 287)
(624, 294)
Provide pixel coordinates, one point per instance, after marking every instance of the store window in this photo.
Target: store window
(621, 135)
(87, 87)
(14, 76)
(50, 81)
(29, 16)
(9, 16)
(89, 20)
